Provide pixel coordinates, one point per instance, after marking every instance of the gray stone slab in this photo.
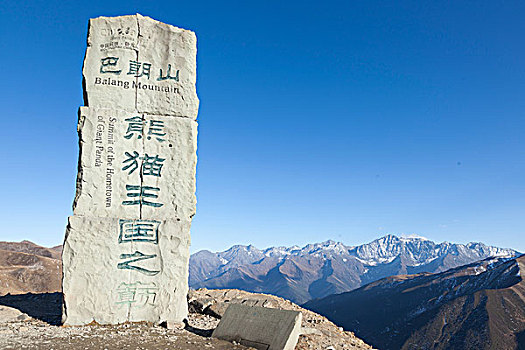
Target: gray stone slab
(119, 149)
(112, 43)
(9, 314)
(126, 251)
(260, 327)
(139, 64)
(114, 273)
(219, 308)
(174, 69)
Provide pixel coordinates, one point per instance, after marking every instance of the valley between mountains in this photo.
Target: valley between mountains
(476, 306)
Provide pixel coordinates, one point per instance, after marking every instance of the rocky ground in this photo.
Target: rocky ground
(31, 321)
(36, 334)
(318, 332)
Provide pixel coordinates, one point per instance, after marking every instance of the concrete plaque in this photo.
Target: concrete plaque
(259, 327)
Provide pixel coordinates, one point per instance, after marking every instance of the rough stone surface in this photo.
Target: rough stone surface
(39, 332)
(126, 251)
(139, 64)
(9, 314)
(100, 289)
(218, 309)
(108, 164)
(317, 332)
(260, 327)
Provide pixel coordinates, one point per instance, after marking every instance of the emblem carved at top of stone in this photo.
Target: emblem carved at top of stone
(139, 64)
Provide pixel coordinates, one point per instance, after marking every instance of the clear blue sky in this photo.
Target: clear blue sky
(329, 119)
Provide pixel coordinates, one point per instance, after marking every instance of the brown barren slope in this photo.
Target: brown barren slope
(28, 268)
(477, 306)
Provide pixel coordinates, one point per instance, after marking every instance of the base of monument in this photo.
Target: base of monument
(111, 281)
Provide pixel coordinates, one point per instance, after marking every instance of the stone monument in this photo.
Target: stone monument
(126, 250)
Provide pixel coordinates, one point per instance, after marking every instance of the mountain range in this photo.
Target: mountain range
(317, 270)
(477, 306)
(394, 292)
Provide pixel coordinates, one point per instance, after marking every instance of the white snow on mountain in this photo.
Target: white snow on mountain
(318, 269)
(416, 251)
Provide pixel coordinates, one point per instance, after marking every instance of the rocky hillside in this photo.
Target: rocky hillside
(477, 306)
(27, 267)
(27, 322)
(317, 331)
(321, 269)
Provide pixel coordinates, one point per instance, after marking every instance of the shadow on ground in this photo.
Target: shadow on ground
(202, 332)
(43, 306)
(47, 307)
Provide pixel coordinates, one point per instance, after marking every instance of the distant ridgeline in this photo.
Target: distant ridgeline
(318, 270)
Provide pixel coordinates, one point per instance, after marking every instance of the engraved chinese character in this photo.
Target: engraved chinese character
(135, 127)
(146, 293)
(156, 128)
(136, 294)
(168, 75)
(126, 293)
(139, 231)
(132, 161)
(151, 165)
(135, 258)
(141, 193)
(121, 31)
(134, 69)
(108, 64)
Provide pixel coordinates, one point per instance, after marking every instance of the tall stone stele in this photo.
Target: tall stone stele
(126, 250)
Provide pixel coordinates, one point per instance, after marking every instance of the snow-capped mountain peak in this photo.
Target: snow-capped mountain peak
(323, 268)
